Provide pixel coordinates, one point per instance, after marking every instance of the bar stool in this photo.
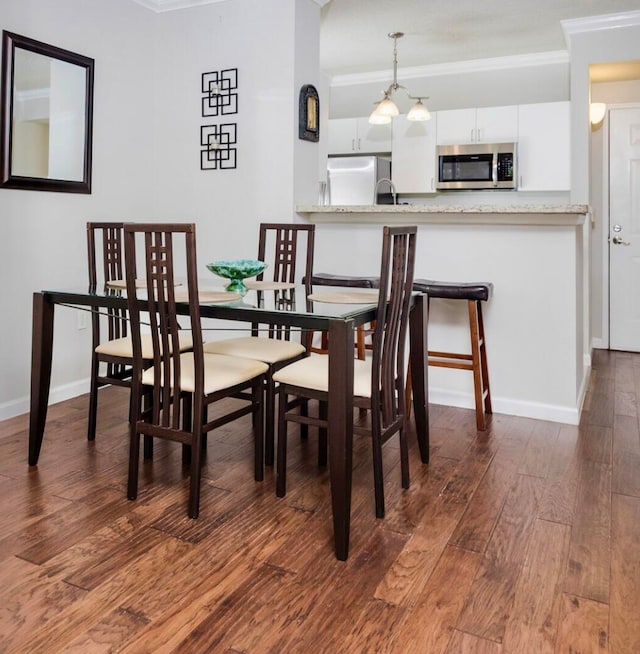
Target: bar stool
(346, 281)
(474, 293)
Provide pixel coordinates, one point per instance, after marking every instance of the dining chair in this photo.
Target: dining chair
(112, 353)
(293, 247)
(378, 381)
(180, 386)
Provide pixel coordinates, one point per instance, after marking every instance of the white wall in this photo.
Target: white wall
(146, 163)
(42, 234)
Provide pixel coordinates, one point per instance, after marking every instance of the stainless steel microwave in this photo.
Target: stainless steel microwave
(477, 166)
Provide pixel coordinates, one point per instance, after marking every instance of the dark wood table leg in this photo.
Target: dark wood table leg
(340, 432)
(41, 353)
(418, 321)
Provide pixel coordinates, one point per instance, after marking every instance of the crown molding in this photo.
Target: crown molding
(160, 6)
(456, 68)
(598, 23)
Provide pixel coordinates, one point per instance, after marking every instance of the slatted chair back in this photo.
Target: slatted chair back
(392, 322)
(104, 242)
(157, 300)
(288, 249)
(109, 364)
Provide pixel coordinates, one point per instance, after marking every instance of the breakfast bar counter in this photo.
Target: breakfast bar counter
(487, 214)
(536, 323)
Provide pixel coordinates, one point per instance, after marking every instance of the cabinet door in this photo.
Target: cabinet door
(497, 124)
(342, 135)
(372, 139)
(356, 135)
(413, 155)
(544, 154)
(456, 126)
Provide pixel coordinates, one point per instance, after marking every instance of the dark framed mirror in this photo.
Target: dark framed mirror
(47, 117)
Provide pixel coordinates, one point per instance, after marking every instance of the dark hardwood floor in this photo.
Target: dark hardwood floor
(522, 539)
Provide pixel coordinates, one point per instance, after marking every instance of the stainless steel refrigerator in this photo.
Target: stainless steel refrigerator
(359, 180)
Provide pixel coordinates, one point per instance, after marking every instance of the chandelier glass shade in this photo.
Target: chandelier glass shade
(386, 109)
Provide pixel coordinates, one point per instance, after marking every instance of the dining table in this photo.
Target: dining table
(285, 308)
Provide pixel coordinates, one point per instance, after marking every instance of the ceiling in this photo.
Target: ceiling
(353, 35)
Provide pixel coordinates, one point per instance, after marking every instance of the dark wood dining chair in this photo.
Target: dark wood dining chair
(379, 383)
(180, 386)
(112, 353)
(288, 249)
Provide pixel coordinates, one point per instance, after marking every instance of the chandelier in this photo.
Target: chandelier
(386, 109)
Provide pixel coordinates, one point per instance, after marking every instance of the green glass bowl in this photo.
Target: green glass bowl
(236, 271)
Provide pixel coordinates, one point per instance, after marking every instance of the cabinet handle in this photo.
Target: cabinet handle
(472, 133)
(480, 134)
(353, 144)
(358, 144)
(433, 184)
(520, 180)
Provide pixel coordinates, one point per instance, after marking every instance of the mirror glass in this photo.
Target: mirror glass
(46, 130)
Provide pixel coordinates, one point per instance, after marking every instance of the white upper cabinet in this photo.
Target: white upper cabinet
(481, 125)
(413, 155)
(357, 136)
(544, 154)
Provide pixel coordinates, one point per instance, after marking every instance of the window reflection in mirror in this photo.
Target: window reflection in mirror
(47, 93)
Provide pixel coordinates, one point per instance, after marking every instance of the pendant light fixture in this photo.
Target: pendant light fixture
(386, 109)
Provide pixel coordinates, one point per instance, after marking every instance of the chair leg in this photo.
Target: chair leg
(404, 456)
(269, 420)
(258, 431)
(408, 392)
(281, 462)
(134, 456)
(93, 400)
(196, 472)
(304, 411)
(322, 436)
(378, 477)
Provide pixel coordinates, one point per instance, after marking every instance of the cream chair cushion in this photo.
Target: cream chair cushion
(219, 372)
(269, 350)
(313, 372)
(122, 347)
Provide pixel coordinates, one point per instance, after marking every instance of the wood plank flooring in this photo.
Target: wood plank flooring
(523, 539)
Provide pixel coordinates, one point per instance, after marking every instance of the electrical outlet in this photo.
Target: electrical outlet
(83, 320)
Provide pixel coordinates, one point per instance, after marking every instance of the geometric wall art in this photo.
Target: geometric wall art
(219, 96)
(217, 146)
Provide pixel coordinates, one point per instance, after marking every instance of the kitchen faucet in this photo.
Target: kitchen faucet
(391, 186)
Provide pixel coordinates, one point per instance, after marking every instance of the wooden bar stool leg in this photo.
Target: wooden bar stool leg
(478, 377)
(483, 362)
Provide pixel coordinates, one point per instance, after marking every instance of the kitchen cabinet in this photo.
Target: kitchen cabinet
(357, 136)
(481, 125)
(544, 155)
(413, 155)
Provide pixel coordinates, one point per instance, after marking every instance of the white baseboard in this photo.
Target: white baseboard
(553, 413)
(58, 394)
(598, 344)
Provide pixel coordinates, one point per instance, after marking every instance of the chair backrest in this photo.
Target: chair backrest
(392, 320)
(287, 241)
(290, 242)
(104, 242)
(157, 300)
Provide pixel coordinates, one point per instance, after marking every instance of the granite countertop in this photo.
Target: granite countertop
(514, 214)
(447, 208)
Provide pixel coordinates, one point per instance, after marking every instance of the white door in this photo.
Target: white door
(624, 229)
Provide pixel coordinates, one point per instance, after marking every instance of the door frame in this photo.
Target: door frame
(606, 222)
